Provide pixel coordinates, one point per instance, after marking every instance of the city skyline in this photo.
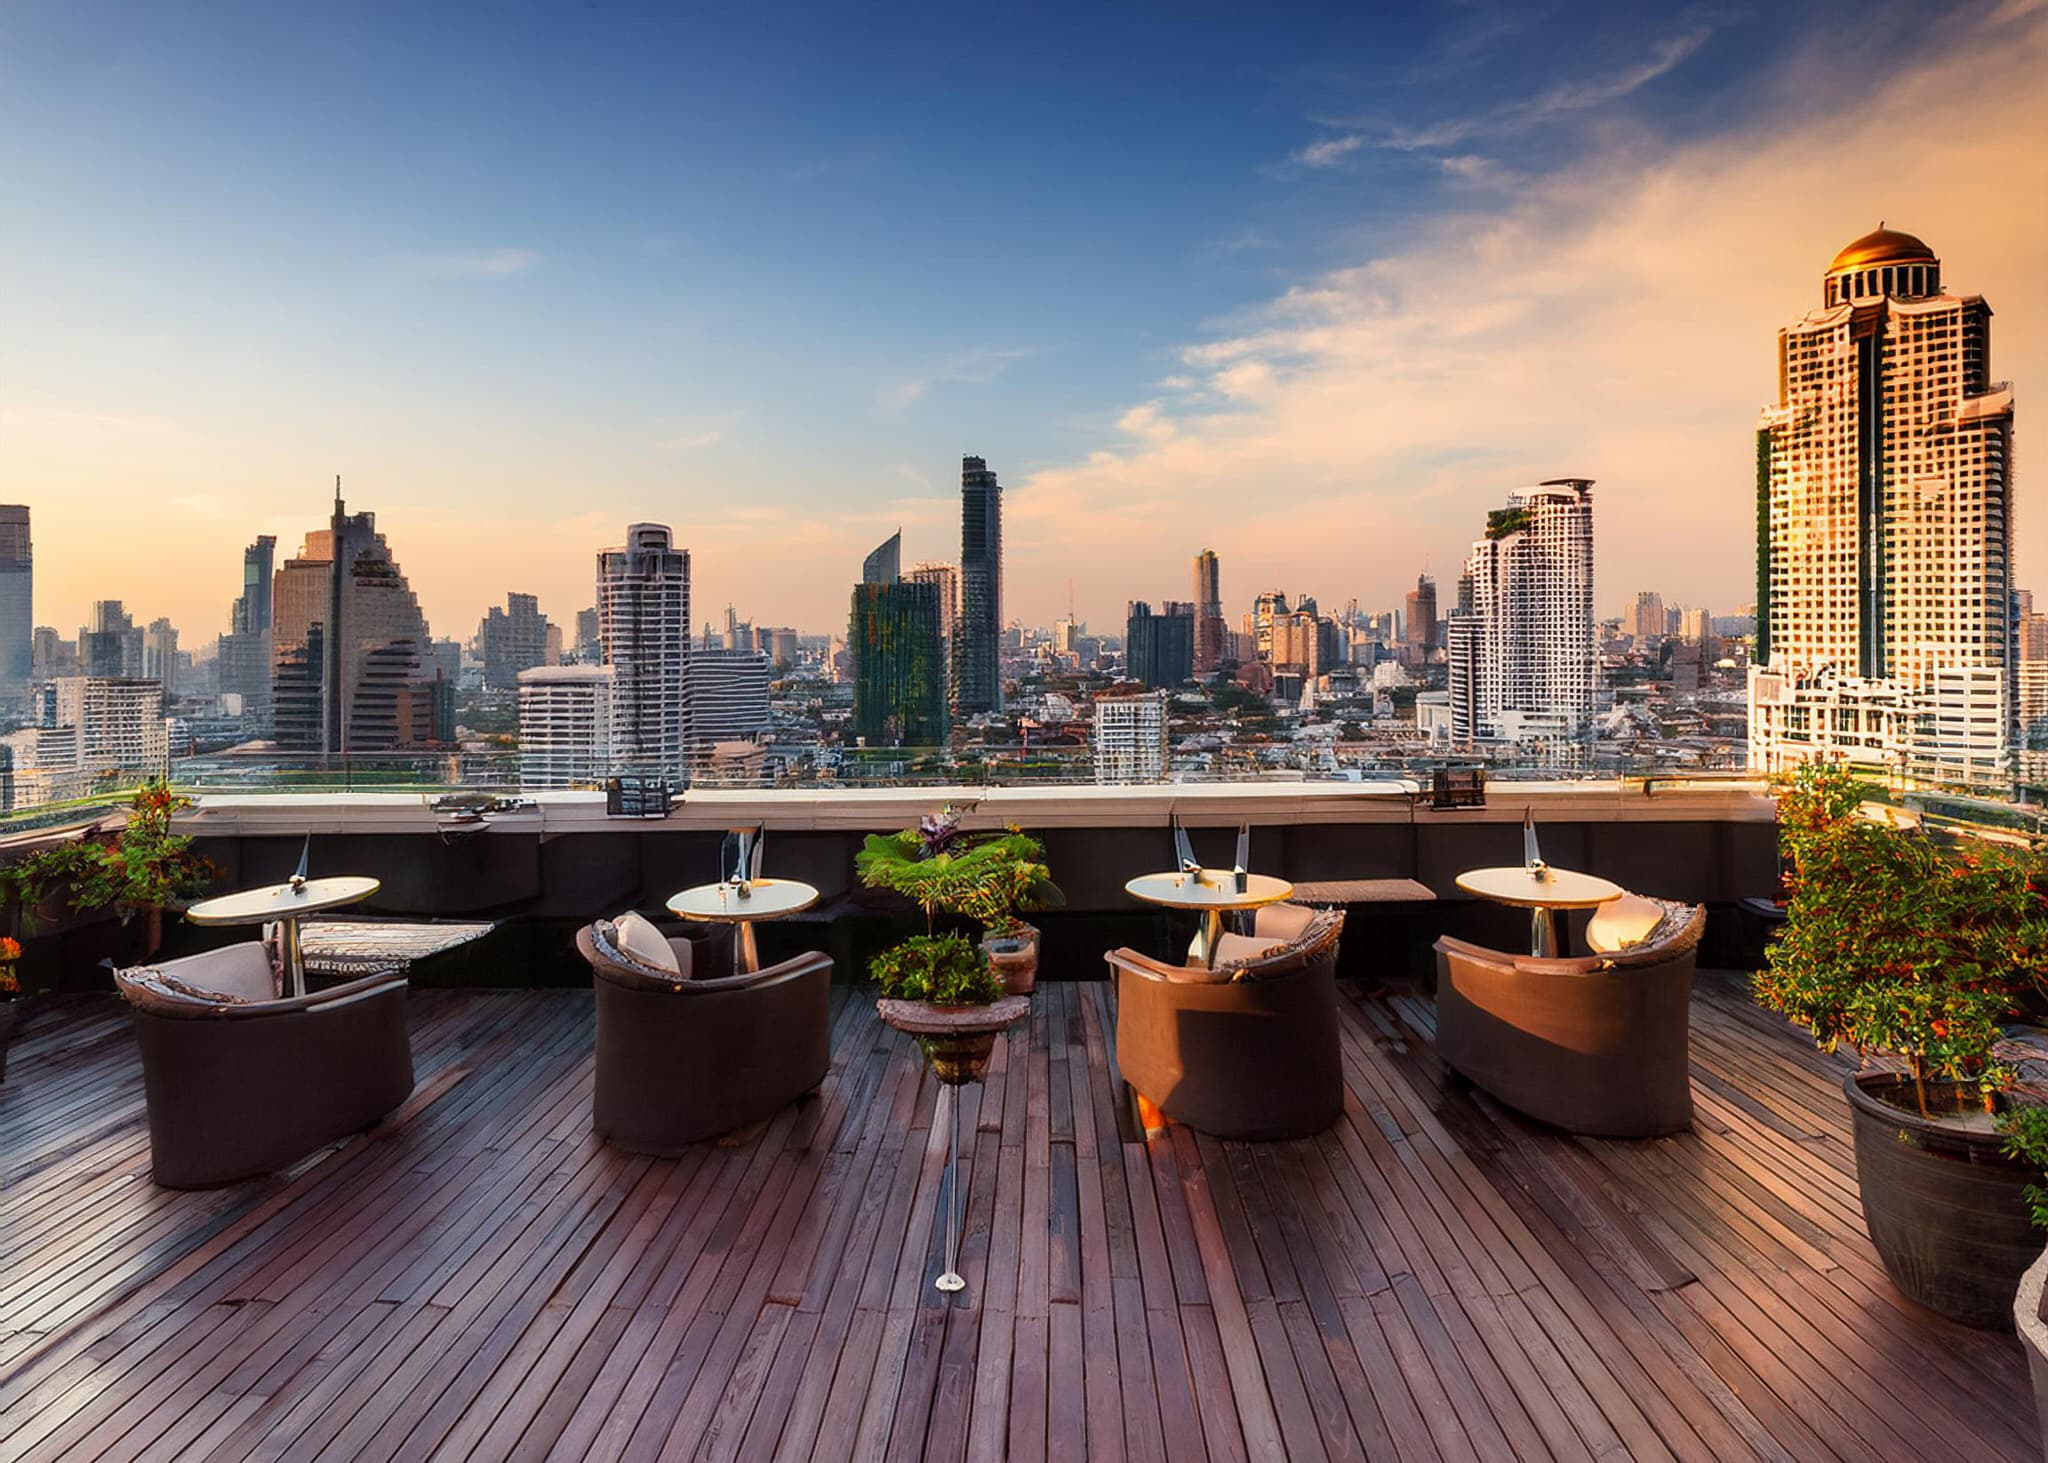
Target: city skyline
(1386, 300)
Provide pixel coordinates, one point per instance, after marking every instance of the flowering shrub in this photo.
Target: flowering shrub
(1896, 943)
(10, 982)
(139, 870)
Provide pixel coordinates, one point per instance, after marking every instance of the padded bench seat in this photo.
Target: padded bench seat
(1362, 891)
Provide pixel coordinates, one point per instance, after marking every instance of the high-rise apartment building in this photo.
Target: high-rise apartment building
(351, 667)
(1421, 632)
(83, 726)
(2031, 637)
(17, 601)
(511, 640)
(1647, 620)
(565, 726)
(977, 644)
(728, 695)
(643, 612)
(1159, 650)
(1884, 494)
(1130, 737)
(589, 644)
(1212, 631)
(1695, 625)
(1523, 660)
(896, 642)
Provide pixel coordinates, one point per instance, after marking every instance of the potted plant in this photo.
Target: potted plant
(10, 992)
(1913, 952)
(987, 878)
(941, 990)
(144, 868)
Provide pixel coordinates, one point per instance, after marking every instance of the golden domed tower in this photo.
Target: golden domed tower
(1884, 483)
(1883, 264)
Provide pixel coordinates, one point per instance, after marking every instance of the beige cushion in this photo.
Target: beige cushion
(235, 973)
(648, 946)
(1282, 922)
(1236, 949)
(1622, 923)
(1312, 944)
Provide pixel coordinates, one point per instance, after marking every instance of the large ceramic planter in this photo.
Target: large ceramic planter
(1945, 1207)
(2033, 1329)
(1013, 955)
(957, 1040)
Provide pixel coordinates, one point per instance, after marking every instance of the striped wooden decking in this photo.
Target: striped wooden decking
(1433, 1278)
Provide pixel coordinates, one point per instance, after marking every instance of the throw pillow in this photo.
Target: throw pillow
(639, 939)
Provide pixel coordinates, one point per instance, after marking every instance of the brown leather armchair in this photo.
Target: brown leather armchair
(1598, 1045)
(1243, 1051)
(240, 1082)
(681, 1060)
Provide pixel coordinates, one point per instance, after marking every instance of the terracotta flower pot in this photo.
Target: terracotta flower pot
(1945, 1207)
(1013, 954)
(957, 1040)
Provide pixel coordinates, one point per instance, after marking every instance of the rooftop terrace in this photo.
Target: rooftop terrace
(1431, 1278)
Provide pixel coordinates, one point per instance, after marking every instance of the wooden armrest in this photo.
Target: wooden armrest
(1142, 965)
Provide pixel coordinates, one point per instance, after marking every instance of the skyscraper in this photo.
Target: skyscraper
(1159, 650)
(351, 668)
(885, 564)
(1212, 631)
(1523, 663)
(643, 612)
(160, 654)
(895, 639)
(1420, 639)
(1647, 620)
(511, 640)
(1267, 608)
(947, 578)
(977, 645)
(111, 646)
(17, 600)
(245, 651)
(1884, 494)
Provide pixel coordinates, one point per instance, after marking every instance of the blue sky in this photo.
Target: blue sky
(524, 272)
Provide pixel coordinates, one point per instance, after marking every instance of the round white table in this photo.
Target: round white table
(285, 903)
(1542, 891)
(1209, 893)
(739, 905)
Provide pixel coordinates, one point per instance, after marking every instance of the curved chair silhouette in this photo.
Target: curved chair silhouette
(1247, 1050)
(681, 1060)
(1598, 1045)
(241, 1082)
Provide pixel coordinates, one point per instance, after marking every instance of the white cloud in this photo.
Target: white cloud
(1328, 151)
(472, 263)
(972, 368)
(1560, 100)
(1616, 320)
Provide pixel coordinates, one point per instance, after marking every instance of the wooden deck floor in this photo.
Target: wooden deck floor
(1433, 1278)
